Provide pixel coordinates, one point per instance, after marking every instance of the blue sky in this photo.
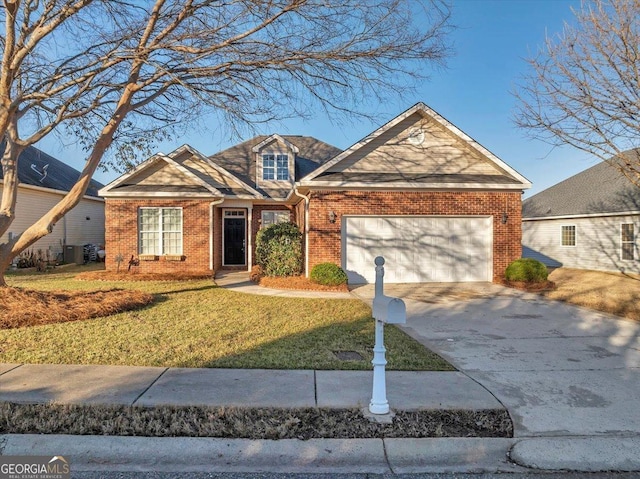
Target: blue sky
(492, 39)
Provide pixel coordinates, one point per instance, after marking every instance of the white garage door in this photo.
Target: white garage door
(418, 248)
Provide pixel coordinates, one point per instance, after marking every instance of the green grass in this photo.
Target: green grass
(197, 324)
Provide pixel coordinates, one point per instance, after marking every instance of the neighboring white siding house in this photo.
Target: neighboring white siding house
(589, 221)
(37, 193)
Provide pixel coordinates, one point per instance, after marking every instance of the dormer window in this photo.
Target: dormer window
(275, 167)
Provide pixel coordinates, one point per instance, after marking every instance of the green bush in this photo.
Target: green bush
(279, 250)
(328, 274)
(526, 269)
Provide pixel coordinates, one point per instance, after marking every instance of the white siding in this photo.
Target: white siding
(81, 230)
(74, 228)
(597, 243)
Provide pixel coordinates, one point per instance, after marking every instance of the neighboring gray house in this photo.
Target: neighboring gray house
(44, 180)
(588, 221)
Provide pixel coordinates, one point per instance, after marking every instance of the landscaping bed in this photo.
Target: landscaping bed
(299, 283)
(22, 307)
(272, 423)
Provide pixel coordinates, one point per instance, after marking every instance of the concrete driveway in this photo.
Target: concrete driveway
(560, 370)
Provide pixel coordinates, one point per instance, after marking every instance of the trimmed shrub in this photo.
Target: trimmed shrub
(528, 270)
(279, 250)
(328, 274)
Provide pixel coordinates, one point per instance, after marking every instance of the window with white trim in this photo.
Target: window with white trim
(272, 217)
(627, 241)
(275, 167)
(568, 237)
(160, 231)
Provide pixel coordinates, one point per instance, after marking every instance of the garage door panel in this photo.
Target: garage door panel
(418, 249)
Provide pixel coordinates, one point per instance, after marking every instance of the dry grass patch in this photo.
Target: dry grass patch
(250, 423)
(299, 283)
(613, 293)
(135, 276)
(21, 307)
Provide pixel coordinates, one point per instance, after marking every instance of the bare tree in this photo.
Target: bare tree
(112, 72)
(583, 88)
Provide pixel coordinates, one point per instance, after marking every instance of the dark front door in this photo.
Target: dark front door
(234, 241)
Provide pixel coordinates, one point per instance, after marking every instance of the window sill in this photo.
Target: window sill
(174, 257)
(148, 257)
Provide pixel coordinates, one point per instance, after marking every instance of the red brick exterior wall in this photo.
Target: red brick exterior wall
(121, 225)
(325, 237)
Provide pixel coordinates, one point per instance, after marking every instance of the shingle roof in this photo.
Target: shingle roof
(240, 159)
(34, 163)
(599, 189)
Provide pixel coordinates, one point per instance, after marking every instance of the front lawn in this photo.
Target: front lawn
(196, 324)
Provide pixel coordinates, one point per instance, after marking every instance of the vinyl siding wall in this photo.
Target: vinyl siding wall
(73, 229)
(439, 153)
(598, 245)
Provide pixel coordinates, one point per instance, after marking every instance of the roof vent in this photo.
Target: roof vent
(42, 172)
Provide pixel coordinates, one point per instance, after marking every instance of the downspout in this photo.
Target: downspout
(212, 206)
(306, 199)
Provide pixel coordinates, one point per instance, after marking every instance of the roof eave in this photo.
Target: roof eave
(411, 185)
(160, 194)
(583, 215)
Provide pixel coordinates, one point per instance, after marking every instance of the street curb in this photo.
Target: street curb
(374, 456)
(581, 454)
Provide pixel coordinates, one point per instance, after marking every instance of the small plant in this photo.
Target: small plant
(328, 274)
(528, 270)
(256, 273)
(279, 250)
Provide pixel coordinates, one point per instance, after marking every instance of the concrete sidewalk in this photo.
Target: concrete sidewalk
(148, 386)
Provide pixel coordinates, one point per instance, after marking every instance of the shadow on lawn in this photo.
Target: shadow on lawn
(317, 348)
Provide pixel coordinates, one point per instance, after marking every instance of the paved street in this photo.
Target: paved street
(268, 475)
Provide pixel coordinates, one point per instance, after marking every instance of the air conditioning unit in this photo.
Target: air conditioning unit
(74, 254)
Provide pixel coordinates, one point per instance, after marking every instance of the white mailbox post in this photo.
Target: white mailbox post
(385, 310)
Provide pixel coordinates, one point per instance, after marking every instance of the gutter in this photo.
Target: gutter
(582, 215)
(54, 191)
(306, 199)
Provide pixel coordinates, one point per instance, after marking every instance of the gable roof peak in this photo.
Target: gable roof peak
(271, 139)
(426, 112)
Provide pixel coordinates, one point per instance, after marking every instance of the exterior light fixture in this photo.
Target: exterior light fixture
(505, 217)
(332, 216)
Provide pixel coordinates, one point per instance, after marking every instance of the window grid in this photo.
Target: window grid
(627, 241)
(160, 231)
(268, 167)
(282, 167)
(275, 167)
(272, 217)
(569, 235)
